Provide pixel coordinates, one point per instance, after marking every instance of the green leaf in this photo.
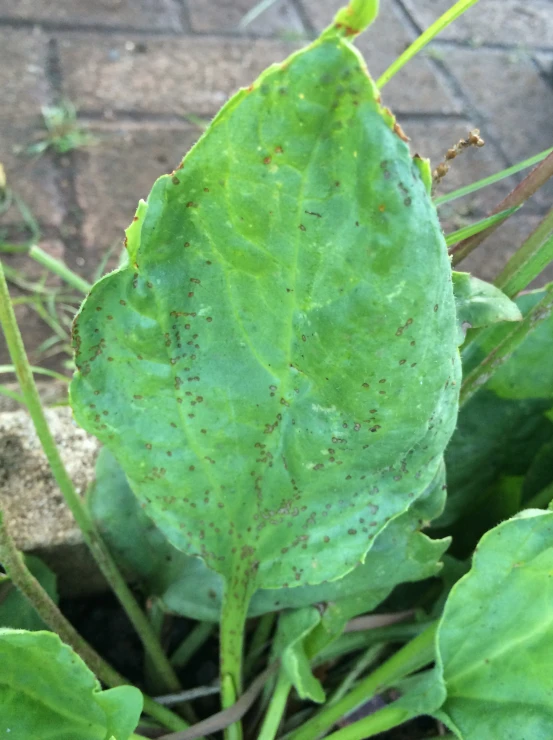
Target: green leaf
(289, 646)
(278, 360)
(47, 691)
(122, 707)
(15, 609)
(480, 304)
(494, 639)
(187, 587)
(504, 425)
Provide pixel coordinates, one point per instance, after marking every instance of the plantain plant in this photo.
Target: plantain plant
(274, 372)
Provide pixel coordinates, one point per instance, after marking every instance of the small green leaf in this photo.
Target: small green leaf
(480, 303)
(122, 707)
(504, 425)
(15, 609)
(289, 646)
(47, 691)
(494, 640)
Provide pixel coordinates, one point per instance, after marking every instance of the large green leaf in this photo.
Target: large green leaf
(276, 365)
(495, 639)
(15, 610)
(504, 425)
(186, 586)
(47, 692)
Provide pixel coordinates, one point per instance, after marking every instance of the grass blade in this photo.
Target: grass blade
(530, 260)
(479, 226)
(484, 371)
(255, 12)
(523, 191)
(492, 179)
(36, 371)
(425, 38)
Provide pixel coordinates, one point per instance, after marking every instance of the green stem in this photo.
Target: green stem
(259, 641)
(353, 641)
(425, 38)
(50, 614)
(384, 719)
(236, 599)
(485, 369)
(416, 654)
(530, 259)
(274, 715)
(367, 659)
(73, 500)
(60, 269)
(191, 644)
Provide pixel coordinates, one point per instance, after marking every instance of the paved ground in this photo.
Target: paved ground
(141, 72)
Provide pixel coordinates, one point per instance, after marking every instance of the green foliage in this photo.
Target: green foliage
(15, 609)
(187, 587)
(495, 636)
(502, 429)
(274, 374)
(46, 690)
(63, 133)
(228, 357)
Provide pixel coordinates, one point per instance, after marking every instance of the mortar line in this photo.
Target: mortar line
(65, 175)
(186, 19)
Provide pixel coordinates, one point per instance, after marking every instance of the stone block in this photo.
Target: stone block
(22, 76)
(32, 504)
(216, 16)
(126, 14)
(170, 76)
(112, 177)
(417, 87)
(518, 22)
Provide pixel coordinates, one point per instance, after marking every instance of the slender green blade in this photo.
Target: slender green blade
(535, 254)
(476, 228)
(492, 179)
(277, 362)
(425, 38)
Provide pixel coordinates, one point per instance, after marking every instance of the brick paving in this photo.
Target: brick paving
(141, 71)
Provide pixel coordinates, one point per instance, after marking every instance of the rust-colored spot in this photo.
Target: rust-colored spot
(186, 244)
(191, 204)
(110, 359)
(279, 150)
(148, 446)
(301, 227)
(267, 160)
(138, 398)
(175, 180)
(169, 453)
(98, 308)
(135, 218)
(206, 190)
(366, 385)
(352, 531)
(122, 302)
(382, 208)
